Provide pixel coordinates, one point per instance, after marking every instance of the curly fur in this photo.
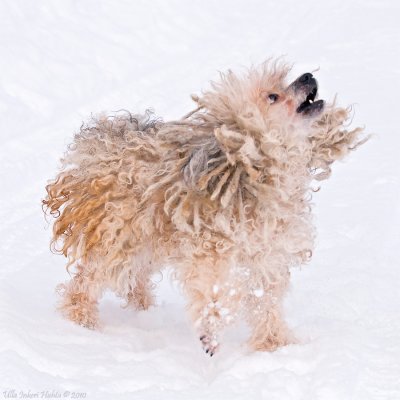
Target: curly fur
(223, 195)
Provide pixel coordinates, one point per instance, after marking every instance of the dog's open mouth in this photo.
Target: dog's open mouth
(306, 87)
(310, 106)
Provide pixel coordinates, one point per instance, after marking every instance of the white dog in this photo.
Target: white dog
(223, 195)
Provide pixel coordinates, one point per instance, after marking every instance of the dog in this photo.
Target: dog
(222, 195)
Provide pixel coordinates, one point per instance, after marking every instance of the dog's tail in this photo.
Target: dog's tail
(94, 195)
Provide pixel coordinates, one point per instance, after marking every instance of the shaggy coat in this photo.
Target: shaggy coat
(223, 196)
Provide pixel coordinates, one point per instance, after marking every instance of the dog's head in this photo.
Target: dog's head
(265, 99)
(295, 103)
(284, 119)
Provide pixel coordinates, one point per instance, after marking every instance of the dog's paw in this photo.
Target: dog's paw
(210, 344)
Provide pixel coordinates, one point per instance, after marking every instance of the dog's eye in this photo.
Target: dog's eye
(273, 98)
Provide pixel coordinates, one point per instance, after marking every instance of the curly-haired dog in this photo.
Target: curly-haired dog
(223, 195)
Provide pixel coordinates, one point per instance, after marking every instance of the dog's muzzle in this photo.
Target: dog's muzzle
(305, 87)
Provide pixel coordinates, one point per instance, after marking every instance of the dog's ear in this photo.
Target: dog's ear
(331, 141)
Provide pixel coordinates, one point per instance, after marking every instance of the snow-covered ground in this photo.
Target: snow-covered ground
(62, 60)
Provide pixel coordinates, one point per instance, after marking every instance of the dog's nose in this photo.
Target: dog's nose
(305, 78)
(305, 82)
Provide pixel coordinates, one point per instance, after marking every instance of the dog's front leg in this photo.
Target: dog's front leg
(264, 314)
(210, 305)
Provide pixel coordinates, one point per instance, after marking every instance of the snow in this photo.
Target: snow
(258, 292)
(62, 60)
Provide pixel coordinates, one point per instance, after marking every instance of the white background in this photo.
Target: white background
(62, 60)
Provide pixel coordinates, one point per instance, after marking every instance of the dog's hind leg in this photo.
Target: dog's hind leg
(80, 297)
(140, 295)
(133, 281)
